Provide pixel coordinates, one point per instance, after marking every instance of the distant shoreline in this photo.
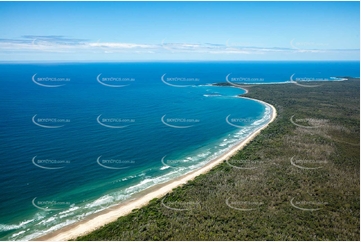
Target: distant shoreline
(141, 199)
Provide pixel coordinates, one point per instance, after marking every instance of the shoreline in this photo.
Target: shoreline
(141, 199)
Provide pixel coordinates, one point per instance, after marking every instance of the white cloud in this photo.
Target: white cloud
(58, 44)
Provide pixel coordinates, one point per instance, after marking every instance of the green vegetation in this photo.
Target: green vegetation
(329, 143)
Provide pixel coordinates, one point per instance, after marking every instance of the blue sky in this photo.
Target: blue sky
(146, 31)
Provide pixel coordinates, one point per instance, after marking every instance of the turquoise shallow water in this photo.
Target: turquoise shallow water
(78, 138)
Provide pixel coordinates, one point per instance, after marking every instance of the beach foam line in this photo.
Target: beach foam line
(104, 217)
(7, 227)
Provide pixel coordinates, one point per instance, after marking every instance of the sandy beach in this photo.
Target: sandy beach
(109, 215)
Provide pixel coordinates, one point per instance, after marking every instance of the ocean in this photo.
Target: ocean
(78, 138)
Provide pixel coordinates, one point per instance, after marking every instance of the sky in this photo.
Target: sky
(179, 31)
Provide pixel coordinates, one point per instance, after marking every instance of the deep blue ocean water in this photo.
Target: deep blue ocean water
(77, 138)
